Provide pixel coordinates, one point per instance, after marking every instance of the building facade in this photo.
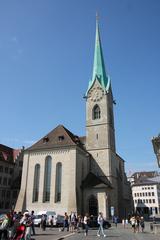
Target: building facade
(11, 161)
(146, 196)
(67, 173)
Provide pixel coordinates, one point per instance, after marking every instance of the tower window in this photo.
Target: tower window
(96, 112)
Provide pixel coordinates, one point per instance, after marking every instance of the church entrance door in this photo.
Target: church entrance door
(93, 206)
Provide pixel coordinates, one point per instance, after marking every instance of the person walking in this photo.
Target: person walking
(79, 223)
(72, 221)
(100, 221)
(133, 223)
(86, 221)
(115, 220)
(123, 223)
(43, 222)
(142, 224)
(32, 226)
(27, 222)
(137, 223)
(65, 223)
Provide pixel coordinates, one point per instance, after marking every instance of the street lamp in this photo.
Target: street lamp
(156, 147)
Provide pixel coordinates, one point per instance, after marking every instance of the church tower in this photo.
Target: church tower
(100, 134)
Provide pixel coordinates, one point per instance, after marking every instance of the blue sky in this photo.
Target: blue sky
(46, 58)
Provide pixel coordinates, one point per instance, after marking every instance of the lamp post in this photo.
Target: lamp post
(156, 147)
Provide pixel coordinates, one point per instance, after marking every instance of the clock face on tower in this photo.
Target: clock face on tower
(96, 94)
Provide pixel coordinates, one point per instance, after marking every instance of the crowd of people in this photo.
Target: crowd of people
(76, 223)
(137, 223)
(15, 226)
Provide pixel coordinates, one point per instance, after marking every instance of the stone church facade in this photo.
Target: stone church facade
(64, 172)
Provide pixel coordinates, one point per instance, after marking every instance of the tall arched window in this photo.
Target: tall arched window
(58, 182)
(96, 112)
(36, 183)
(47, 179)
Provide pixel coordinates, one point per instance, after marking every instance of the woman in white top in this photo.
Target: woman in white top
(100, 221)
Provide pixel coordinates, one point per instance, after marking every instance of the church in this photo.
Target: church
(68, 173)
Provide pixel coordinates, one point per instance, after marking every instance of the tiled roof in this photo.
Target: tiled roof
(58, 137)
(144, 181)
(8, 154)
(16, 152)
(144, 174)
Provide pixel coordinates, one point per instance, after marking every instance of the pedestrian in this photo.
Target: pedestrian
(79, 223)
(65, 223)
(32, 226)
(86, 222)
(142, 224)
(137, 223)
(43, 222)
(100, 221)
(52, 221)
(133, 223)
(123, 223)
(72, 222)
(115, 220)
(27, 222)
(126, 222)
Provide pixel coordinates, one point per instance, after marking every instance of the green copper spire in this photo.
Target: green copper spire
(99, 72)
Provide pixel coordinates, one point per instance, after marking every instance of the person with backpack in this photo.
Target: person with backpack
(100, 221)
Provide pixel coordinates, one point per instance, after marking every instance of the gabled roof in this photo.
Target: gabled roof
(58, 137)
(94, 180)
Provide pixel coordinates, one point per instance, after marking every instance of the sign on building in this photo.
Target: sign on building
(112, 211)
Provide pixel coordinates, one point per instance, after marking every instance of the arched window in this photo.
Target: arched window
(58, 182)
(47, 179)
(36, 183)
(96, 112)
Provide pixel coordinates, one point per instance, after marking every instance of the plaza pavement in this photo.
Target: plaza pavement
(113, 233)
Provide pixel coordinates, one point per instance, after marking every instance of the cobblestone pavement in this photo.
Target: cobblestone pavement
(113, 233)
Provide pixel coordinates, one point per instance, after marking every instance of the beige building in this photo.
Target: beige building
(146, 196)
(64, 172)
